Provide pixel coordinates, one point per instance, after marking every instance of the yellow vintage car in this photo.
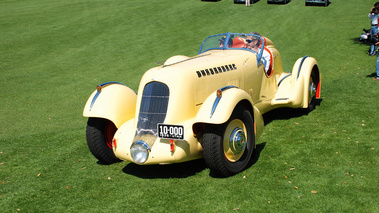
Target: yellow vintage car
(207, 106)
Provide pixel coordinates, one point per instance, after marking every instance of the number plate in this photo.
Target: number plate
(171, 131)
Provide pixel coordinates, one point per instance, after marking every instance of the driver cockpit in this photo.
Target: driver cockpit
(252, 42)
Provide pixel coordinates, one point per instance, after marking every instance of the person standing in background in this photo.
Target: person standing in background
(373, 15)
(377, 65)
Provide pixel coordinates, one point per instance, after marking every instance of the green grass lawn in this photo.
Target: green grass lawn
(53, 54)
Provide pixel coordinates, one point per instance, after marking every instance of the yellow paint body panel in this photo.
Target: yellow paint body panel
(193, 83)
(115, 102)
(223, 113)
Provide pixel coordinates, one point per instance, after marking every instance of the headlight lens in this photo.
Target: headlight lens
(140, 152)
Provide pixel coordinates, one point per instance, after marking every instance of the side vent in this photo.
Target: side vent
(215, 70)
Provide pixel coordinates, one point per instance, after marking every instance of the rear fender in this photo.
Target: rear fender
(113, 101)
(301, 73)
(218, 109)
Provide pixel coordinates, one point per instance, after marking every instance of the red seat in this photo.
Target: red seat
(238, 42)
(269, 70)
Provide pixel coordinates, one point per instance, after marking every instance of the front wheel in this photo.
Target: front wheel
(229, 147)
(99, 135)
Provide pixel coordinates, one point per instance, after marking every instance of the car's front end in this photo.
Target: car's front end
(169, 99)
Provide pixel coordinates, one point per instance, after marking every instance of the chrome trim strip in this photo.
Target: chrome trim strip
(301, 64)
(99, 91)
(198, 56)
(109, 83)
(218, 98)
(215, 105)
(284, 78)
(227, 87)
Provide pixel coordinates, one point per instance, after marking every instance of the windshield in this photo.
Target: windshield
(232, 41)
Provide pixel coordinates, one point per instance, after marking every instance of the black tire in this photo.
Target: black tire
(99, 135)
(218, 153)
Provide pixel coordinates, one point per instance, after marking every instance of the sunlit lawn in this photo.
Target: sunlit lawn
(54, 53)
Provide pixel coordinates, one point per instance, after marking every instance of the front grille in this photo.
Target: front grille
(153, 108)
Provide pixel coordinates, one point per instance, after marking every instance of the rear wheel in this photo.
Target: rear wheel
(229, 147)
(312, 91)
(99, 135)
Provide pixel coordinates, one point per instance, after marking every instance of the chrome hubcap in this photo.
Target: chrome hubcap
(311, 91)
(237, 141)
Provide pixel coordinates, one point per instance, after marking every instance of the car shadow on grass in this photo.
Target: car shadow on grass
(191, 168)
(287, 113)
(257, 152)
(177, 170)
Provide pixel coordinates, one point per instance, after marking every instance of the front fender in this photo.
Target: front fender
(113, 101)
(209, 114)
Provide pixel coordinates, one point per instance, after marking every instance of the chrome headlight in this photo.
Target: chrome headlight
(140, 152)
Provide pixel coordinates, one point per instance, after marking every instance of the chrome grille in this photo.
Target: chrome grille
(153, 109)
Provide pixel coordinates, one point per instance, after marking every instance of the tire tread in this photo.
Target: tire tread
(96, 141)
